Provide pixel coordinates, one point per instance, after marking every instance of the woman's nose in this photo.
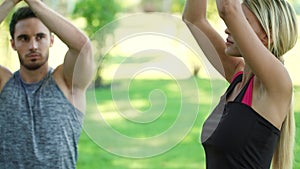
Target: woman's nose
(227, 31)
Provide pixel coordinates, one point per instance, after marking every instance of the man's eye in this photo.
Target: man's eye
(40, 36)
(23, 38)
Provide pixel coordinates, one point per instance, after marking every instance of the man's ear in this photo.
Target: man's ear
(51, 39)
(12, 43)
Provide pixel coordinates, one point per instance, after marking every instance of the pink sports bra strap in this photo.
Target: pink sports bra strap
(246, 94)
(247, 99)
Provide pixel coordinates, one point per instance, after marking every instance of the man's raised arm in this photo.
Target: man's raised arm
(5, 8)
(80, 49)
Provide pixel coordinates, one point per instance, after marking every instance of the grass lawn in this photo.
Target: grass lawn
(187, 154)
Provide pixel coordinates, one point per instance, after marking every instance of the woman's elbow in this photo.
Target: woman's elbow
(226, 9)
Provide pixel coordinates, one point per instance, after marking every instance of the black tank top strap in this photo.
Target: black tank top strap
(234, 83)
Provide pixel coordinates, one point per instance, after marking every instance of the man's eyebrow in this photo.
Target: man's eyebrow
(41, 33)
(22, 36)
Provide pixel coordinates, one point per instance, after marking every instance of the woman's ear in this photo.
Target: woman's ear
(265, 39)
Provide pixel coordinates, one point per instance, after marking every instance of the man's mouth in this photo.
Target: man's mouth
(33, 55)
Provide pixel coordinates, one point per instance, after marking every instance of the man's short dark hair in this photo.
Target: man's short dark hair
(20, 14)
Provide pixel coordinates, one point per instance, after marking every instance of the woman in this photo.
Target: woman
(254, 121)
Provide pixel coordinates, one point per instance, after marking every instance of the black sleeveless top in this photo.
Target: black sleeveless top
(236, 137)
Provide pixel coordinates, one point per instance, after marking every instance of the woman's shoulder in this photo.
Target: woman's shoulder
(273, 107)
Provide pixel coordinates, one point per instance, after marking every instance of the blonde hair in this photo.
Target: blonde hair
(284, 152)
(279, 21)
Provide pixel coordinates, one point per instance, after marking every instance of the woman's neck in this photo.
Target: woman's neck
(247, 74)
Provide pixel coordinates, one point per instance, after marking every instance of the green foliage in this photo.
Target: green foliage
(177, 5)
(97, 13)
(212, 12)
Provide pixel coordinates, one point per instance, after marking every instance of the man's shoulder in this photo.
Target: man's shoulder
(58, 76)
(73, 94)
(5, 75)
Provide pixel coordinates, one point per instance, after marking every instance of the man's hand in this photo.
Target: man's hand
(16, 1)
(30, 0)
(6, 7)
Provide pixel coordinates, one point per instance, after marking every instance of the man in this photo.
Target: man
(41, 110)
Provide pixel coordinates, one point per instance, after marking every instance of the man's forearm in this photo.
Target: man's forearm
(5, 8)
(65, 30)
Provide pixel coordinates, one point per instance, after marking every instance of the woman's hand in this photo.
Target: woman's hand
(225, 7)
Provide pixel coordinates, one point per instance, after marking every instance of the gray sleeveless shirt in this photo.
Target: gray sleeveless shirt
(39, 127)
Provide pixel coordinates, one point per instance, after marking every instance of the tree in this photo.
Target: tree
(97, 14)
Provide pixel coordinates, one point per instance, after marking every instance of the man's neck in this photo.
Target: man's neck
(33, 76)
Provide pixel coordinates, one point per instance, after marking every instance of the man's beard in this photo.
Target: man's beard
(33, 66)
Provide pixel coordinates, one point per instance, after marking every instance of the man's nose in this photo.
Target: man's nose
(33, 44)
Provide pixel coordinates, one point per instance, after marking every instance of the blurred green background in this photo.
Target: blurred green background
(91, 16)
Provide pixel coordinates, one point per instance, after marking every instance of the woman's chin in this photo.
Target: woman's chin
(230, 52)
